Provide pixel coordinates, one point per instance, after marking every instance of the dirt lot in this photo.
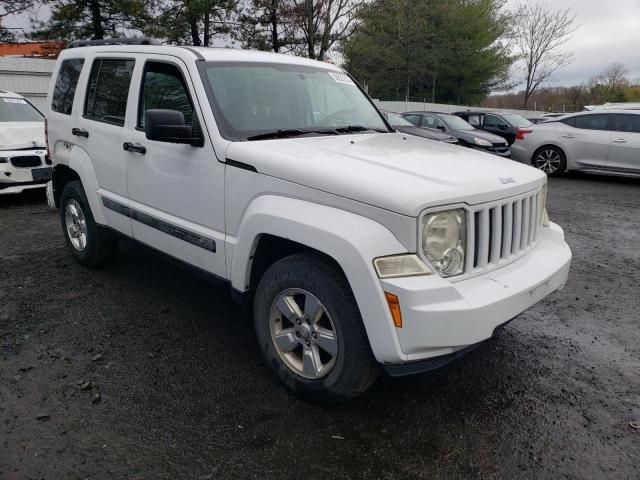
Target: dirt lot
(144, 370)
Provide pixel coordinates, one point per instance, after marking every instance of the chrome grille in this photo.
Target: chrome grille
(503, 231)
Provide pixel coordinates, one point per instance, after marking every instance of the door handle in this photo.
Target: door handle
(620, 140)
(568, 135)
(134, 147)
(80, 132)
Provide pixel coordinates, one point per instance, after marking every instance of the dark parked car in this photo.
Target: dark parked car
(404, 126)
(505, 125)
(467, 135)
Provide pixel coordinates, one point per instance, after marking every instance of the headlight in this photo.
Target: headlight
(444, 240)
(394, 266)
(482, 142)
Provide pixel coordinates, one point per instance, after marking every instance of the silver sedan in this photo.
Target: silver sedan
(596, 142)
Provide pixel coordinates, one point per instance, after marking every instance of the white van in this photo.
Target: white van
(23, 161)
(358, 248)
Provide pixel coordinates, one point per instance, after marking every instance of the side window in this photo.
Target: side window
(593, 122)
(571, 121)
(108, 89)
(163, 86)
(492, 121)
(429, 121)
(626, 123)
(474, 120)
(415, 119)
(66, 82)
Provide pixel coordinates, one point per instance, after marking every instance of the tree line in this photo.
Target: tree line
(454, 51)
(610, 85)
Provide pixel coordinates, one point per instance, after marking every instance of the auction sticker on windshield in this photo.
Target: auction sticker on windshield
(342, 78)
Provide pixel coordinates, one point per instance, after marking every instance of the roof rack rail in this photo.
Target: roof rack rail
(115, 41)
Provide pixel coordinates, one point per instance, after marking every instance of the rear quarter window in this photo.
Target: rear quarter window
(65, 89)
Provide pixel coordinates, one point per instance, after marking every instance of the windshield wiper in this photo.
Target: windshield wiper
(358, 128)
(292, 132)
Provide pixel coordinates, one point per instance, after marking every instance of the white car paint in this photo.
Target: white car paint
(20, 139)
(605, 150)
(353, 197)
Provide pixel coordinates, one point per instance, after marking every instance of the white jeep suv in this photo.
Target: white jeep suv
(357, 247)
(23, 161)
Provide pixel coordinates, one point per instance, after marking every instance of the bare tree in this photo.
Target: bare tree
(607, 83)
(324, 22)
(11, 7)
(539, 33)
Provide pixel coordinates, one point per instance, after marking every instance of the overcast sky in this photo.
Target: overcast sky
(608, 31)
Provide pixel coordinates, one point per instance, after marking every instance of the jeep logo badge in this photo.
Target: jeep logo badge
(506, 180)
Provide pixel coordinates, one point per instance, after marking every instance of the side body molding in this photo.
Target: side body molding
(353, 241)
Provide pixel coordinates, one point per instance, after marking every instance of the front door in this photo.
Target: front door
(624, 156)
(176, 191)
(589, 140)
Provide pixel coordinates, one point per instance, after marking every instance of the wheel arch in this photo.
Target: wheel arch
(274, 227)
(547, 145)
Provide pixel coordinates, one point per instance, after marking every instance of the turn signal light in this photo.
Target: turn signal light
(394, 308)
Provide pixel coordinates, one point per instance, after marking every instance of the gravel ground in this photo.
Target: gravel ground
(145, 370)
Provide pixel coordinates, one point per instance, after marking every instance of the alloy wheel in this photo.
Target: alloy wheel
(548, 161)
(303, 333)
(76, 225)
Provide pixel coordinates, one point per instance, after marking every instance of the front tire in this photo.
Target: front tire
(310, 330)
(90, 244)
(551, 160)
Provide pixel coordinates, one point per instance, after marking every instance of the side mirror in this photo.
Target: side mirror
(441, 128)
(168, 126)
(502, 126)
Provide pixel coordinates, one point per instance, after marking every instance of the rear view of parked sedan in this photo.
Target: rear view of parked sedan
(596, 142)
(404, 126)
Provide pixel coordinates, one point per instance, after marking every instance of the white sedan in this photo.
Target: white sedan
(596, 142)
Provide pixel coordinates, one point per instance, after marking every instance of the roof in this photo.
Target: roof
(203, 53)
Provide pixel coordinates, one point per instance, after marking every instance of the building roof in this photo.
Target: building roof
(31, 49)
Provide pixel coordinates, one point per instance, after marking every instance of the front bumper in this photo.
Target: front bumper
(15, 179)
(442, 317)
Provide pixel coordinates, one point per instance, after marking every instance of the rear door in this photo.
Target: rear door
(624, 156)
(587, 139)
(176, 191)
(100, 129)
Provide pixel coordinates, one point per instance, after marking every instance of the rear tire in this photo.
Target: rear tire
(90, 244)
(551, 160)
(318, 346)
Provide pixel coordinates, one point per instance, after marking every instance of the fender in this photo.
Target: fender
(78, 160)
(351, 240)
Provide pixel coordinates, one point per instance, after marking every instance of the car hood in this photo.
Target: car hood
(21, 135)
(404, 174)
(469, 135)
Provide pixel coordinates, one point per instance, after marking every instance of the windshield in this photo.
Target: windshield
(516, 120)
(397, 121)
(255, 99)
(18, 110)
(456, 123)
